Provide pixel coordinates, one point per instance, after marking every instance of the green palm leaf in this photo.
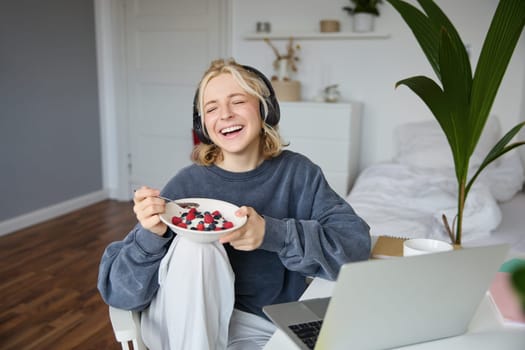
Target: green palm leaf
(426, 34)
(500, 42)
(441, 22)
(497, 151)
(456, 86)
(435, 99)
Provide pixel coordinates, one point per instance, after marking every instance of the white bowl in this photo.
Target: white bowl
(419, 246)
(205, 204)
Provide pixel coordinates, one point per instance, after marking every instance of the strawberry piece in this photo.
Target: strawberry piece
(200, 227)
(190, 216)
(193, 210)
(227, 225)
(175, 220)
(208, 218)
(182, 224)
(216, 213)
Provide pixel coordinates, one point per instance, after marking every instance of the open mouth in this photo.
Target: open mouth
(231, 130)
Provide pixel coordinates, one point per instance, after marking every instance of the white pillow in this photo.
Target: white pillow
(506, 178)
(424, 144)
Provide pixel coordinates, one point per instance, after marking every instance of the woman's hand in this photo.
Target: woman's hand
(147, 209)
(250, 236)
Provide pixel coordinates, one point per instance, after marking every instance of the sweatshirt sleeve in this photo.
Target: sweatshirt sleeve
(128, 272)
(330, 235)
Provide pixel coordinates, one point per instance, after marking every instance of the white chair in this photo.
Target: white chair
(126, 326)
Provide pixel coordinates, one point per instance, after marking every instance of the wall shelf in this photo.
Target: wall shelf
(317, 36)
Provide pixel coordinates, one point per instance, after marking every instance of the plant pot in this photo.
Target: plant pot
(289, 90)
(363, 22)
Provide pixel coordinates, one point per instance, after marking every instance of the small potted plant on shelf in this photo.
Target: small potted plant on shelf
(363, 13)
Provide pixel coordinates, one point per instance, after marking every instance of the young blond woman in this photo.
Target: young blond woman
(297, 225)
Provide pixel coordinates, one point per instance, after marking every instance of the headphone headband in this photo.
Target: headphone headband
(270, 116)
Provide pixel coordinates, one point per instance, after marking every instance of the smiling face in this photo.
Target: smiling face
(232, 120)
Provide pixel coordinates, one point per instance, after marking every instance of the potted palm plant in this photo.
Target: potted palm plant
(363, 13)
(462, 102)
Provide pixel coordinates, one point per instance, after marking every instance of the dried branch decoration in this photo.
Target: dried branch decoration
(290, 56)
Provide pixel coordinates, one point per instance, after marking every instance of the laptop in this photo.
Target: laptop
(380, 304)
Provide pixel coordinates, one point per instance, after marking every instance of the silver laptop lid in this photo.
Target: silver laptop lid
(381, 304)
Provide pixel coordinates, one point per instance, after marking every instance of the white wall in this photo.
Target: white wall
(366, 70)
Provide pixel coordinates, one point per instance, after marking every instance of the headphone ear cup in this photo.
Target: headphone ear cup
(198, 128)
(272, 117)
(274, 113)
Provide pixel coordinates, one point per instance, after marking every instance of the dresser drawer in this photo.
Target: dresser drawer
(328, 134)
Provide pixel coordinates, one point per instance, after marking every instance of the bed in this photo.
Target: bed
(407, 196)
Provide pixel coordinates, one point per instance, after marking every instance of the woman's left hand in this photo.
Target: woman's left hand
(250, 236)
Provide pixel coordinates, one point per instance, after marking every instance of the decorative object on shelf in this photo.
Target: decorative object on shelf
(329, 26)
(285, 63)
(462, 102)
(263, 27)
(286, 89)
(363, 14)
(331, 93)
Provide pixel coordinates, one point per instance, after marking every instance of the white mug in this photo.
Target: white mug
(419, 246)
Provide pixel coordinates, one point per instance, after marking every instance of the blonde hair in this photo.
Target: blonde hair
(271, 141)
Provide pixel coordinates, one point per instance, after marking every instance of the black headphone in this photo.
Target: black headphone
(271, 118)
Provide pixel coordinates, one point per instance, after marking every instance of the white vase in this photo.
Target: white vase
(282, 70)
(363, 22)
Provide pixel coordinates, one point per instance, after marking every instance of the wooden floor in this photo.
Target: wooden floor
(48, 291)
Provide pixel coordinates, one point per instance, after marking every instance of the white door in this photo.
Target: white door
(169, 44)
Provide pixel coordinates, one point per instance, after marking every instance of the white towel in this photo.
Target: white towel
(193, 305)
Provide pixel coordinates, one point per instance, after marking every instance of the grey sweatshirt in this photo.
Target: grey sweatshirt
(310, 231)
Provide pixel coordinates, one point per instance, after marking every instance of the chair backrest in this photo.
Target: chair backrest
(126, 327)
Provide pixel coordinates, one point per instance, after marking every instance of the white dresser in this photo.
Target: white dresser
(328, 134)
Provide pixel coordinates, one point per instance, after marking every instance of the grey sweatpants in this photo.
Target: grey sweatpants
(248, 331)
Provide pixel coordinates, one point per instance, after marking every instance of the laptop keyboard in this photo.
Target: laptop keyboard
(307, 332)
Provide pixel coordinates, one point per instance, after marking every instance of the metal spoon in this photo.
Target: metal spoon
(184, 205)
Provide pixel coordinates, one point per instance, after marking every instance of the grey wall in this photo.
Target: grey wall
(49, 120)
